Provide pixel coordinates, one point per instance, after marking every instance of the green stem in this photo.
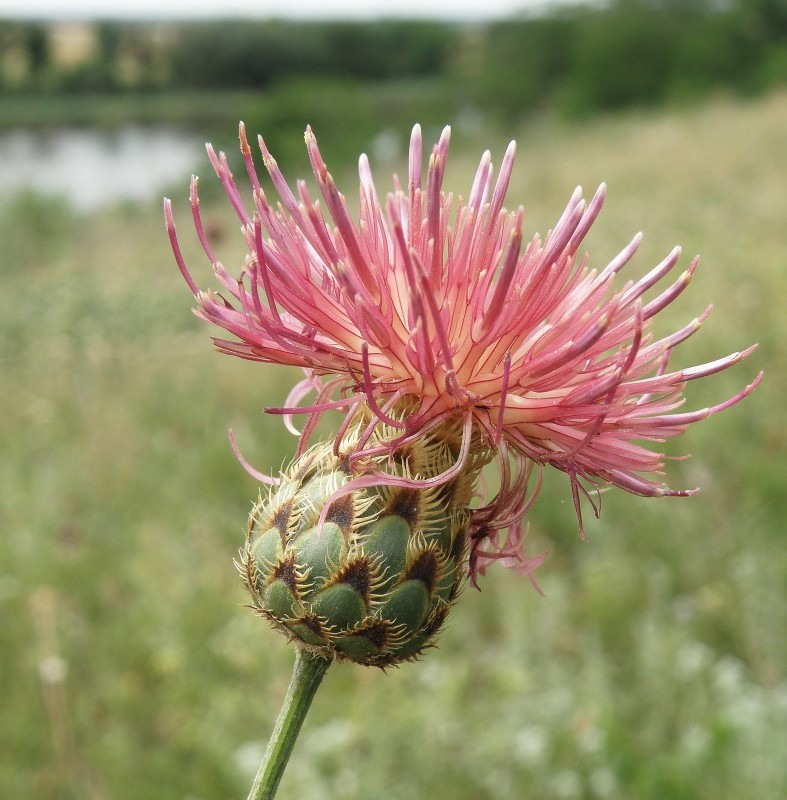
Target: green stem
(307, 674)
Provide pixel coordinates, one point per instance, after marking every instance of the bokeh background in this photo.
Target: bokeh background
(653, 668)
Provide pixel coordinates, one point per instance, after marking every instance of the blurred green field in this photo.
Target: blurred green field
(654, 667)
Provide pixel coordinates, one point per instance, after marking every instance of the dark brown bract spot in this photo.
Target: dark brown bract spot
(402, 454)
(281, 520)
(406, 503)
(377, 634)
(424, 569)
(342, 514)
(287, 573)
(357, 576)
(313, 624)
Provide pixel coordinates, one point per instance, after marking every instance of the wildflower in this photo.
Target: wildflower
(428, 320)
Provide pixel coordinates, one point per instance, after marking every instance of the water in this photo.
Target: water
(92, 169)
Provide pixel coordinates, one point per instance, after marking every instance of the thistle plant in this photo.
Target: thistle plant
(448, 344)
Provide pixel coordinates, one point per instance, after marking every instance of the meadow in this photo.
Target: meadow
(653, 667)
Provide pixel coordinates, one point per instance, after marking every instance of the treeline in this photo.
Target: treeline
(633, 52)
(577, 60)
(242, 54)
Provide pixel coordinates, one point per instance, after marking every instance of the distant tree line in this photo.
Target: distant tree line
(577, 59)
(632, 52)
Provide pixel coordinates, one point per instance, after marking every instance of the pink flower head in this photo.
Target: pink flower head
(549, 360)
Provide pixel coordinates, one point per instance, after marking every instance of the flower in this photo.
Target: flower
(436, 303)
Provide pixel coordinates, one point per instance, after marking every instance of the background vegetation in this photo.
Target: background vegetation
(655, 666)
(576, 60)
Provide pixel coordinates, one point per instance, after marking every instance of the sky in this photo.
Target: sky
(295, 9)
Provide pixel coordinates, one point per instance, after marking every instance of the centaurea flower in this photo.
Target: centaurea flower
(436, 306)
(447, 343)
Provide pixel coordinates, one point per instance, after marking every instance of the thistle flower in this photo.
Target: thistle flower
(447, 342)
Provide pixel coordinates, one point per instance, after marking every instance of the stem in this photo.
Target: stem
(307, 674)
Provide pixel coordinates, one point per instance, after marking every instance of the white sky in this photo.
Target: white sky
(297, 9)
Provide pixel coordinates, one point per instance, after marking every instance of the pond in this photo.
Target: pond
(92, 169)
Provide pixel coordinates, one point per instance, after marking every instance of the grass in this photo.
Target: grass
(653, 668)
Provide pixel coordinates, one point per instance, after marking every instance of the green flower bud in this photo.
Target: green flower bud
(375, 582)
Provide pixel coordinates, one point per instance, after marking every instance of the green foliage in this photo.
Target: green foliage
(622, 57)
(243, 55)
(32, 228)
(389, 50)
(578, 59)
(629, 53)
(655, 666)
(345, 115)
(521, 64)
(259, 54)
